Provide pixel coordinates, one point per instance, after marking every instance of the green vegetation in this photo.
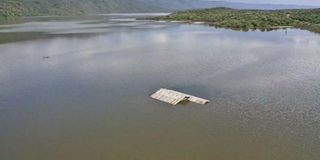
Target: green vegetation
(308, 19)
(11, 9)
(197, 4)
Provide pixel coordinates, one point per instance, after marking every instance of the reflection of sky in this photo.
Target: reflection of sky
(102, 24)
(186, 55)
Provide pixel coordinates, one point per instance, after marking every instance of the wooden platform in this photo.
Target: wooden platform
(175, 97)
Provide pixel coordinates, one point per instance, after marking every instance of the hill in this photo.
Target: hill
(16, 8)
(308, 19)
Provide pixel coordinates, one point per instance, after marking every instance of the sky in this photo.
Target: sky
(299, 2)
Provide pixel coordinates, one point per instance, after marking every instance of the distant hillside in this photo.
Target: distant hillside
(16, 8)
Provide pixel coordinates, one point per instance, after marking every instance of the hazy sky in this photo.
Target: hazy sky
(301, 2)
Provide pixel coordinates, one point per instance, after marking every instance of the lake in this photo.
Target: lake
(79, 89)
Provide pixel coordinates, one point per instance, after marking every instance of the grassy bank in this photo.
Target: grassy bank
(308, 19)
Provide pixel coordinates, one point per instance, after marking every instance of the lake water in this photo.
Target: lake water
(78, 89)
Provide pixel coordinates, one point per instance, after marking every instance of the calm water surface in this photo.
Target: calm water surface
(90, 99)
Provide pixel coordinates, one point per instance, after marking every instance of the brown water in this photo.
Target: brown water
(90, 99)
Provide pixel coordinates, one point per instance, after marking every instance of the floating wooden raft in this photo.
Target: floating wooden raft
(174, 97)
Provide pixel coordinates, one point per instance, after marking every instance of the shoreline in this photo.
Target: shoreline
(264, 20)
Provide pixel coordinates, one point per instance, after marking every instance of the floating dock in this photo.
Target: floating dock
(175, 97)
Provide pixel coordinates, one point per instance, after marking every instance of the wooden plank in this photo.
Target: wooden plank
(175, 97)
(198, 100)
(168, 96)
